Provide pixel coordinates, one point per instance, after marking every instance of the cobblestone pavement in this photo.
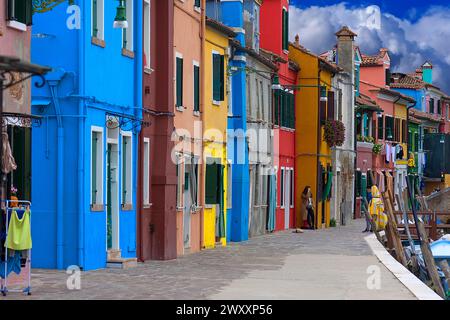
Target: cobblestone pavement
(325, 264)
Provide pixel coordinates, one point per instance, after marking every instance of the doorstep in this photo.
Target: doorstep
(121, 263)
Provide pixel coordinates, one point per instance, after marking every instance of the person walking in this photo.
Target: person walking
(307, 207)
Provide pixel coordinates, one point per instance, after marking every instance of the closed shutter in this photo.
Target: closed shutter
(330, 106)
(374, 128)
(179, 82)
(94, 19)
(276, 107)
(322, 111)
(94, 167)
(381, 127)
(20, 10)
(196, 88)
(212, 184)
(197, 3)
(216, 77)
(222, 78)
(358, 183)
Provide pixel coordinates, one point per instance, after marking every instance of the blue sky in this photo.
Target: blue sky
(414, 31)
(400, 8)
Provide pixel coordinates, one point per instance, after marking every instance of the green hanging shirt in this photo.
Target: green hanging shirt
(19, 232)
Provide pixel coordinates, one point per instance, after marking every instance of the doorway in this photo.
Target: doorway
(187, 207)
(112, 197)
(287, 197)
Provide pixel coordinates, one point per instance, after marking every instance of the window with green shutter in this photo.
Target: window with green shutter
(212, 186)
(94, 18)
(381, 127)
(276, 107)
(196, 88)
(20, 11)
(358, 183)
(285, 31)
(197, 3)
(218, 77)
(179, 82)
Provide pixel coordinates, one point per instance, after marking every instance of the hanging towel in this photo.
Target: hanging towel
(393, 153)
(13, 265)
(19, 232)
(388, 153)
(272, 203)
(8, 162)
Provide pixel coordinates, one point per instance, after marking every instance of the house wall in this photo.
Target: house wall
(15, 43)
(157, 222)
(187, 43)
(84, 81)
(215, 120)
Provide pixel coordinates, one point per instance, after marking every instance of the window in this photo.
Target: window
(282, 187)
(180, 175)
(127, 164)
(285, 31)
(291, 176)
(96, 165)
(284, 109)
(98, 19)
(20, 11)
(146, 172)
(197, 4)
(389, 130)
(147, 34)
(213, 182)
(330, 106)
(196, 86)
(397, 130)
(381, 127)
(276, 107)
(388, 77)
(439, 111)
(358, 183)
(127, 34)
(404, 131)
(179, 81)
(218, 77)
(261, 87)
(431, 105)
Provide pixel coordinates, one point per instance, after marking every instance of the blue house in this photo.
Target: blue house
(231, 14)
(84, 154)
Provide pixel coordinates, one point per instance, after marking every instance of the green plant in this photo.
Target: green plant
(332, 222)
(359, 138)
(376, 148)
(334, 133)
(369, 139)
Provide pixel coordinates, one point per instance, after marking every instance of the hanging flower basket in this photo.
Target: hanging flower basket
(334, 133)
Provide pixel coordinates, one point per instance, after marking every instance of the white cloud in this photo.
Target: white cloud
(410, 43)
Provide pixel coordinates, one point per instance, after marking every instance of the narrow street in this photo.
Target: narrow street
(326, 264)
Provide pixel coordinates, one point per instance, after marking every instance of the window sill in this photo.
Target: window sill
(97, 207)
(216, 103)
(127, 53)
(198, 9)
(98, 42)
(148, 70)
(127, 207)
(17, 25)
(179, 108)
(147, 205)
(196, 113)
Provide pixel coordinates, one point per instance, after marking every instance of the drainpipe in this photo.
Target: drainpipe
(138, 115)
(81, 144)
(53, 84)
(202, 106)
(319, 134)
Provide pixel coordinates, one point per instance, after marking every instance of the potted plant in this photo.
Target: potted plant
(377, 148)
(369, 139)
(334, 133)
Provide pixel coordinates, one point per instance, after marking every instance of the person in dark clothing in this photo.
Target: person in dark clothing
(308, 207)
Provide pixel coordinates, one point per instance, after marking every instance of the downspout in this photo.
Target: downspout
(138, 115)
(81, 145)
(319, 133)
(53, 84)
(201, 190)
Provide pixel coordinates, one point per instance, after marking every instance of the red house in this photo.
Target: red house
(275, 45)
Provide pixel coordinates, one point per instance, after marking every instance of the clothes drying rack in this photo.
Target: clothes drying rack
(4, 284)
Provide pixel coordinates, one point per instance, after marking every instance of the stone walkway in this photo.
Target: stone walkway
(326, 264)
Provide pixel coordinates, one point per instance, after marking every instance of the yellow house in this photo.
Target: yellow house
(313, 161)
(215, 118)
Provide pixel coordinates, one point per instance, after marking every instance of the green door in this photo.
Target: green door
(108, 198)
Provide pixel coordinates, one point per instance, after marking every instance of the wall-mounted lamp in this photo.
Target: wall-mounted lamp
(276, 83)
(323, 94)
(120, 21)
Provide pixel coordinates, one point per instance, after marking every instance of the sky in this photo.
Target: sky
(414, 31)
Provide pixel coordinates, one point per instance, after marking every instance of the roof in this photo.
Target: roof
(345, 31)
(397, 94)
(258, 56)
(366, 103)
(409, 81)
(417, 114)
(220, 27)
(371, 60)
(272, 56)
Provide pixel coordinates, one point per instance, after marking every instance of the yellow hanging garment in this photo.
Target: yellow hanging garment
(19, 232)
(376, 209)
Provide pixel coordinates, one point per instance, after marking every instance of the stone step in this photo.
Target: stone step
(114, 254)
(121, 263)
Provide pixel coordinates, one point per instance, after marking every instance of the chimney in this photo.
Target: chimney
(427, 72)
(297, 40)
(346, 50)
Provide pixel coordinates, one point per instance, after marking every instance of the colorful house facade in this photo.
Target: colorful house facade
(215, 119)
(84, 154)
(15, 39)
(313, 155)
(275, 46)
(157, 184)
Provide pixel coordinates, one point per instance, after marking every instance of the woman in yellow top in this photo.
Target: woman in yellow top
(376, 209)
